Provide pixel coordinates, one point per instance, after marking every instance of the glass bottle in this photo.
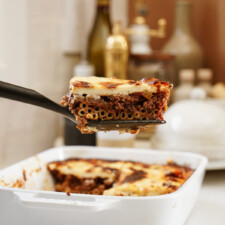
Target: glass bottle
(186, 85)
(116, 53)
(204, 77)
(182, 44)
(97, 38)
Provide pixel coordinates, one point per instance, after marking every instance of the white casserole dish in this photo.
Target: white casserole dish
(34, 206)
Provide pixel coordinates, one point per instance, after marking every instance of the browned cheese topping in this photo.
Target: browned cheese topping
(118, 178)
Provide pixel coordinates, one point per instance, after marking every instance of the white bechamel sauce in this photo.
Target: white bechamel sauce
(125, 88)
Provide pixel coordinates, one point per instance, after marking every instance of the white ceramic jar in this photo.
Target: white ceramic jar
(195, 126)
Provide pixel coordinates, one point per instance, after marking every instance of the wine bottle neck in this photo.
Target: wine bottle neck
(183, 17)
(103, 2)
(103, 10)
(103, 5)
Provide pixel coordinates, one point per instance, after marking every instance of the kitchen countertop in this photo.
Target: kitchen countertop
(210, 206)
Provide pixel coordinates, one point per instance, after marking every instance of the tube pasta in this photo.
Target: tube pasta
(109, 116)
(116, 115)
(97, 109)
(102, 113)
(130, 116)
(137, 115)
(89, 116)
(153, 113)
(83, 105)
(104, 118)
(96, 113)
(93, 112)
(81, 112)
(143, 110)
(123, 115)
(92, 116)
(89, 110)
(95, 116)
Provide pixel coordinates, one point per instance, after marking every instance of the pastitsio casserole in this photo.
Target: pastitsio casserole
(116, 177)
(97, 98)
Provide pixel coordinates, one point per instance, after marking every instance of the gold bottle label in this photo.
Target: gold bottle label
(116, 63)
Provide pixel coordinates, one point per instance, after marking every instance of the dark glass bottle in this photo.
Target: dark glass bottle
(100, 31)
(72, 136)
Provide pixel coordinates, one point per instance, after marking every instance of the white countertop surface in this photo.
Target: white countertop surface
(210, 207)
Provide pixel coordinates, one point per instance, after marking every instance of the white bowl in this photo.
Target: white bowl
(195, 126)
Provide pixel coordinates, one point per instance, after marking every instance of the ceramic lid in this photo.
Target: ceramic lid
(193, 125)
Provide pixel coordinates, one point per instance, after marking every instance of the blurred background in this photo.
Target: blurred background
(44, 43)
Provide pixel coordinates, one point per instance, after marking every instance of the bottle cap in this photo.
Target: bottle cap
(117, 28)
(186, 75)
(139, 20)
(198, 93)
(83, 69)
(204, 74)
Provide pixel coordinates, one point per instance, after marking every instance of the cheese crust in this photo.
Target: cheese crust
(101, 86)
(117, 178)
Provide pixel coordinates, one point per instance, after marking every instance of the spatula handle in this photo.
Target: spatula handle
(29, 96)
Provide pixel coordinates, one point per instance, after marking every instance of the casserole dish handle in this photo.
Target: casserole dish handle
(64, 202)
